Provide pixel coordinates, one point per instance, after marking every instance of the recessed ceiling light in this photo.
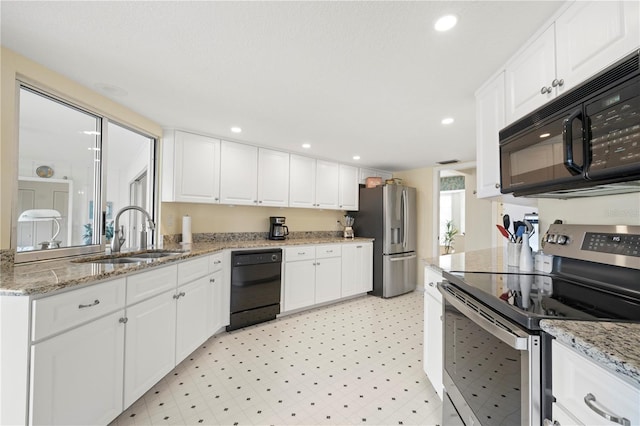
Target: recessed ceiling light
(545, 135)
(306, 145)
(356, 157)
(236, 129)
(447, 121)
(446, 22)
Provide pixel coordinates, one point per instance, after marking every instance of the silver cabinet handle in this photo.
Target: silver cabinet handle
(358, 246)
(217, 262)
(497, 186)
(216, 199)
(212, 280)
(547, 422)
(123, 320)
(95, 302)
(301, 253)
(590, 400)
(329, 251)
(546, 90)
(557, 82)
(177, 296)
(431, 284)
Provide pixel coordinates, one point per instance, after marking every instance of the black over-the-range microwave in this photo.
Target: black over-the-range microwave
(585, 142)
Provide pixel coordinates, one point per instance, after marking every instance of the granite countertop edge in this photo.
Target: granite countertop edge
(612, 345)
(40, 278)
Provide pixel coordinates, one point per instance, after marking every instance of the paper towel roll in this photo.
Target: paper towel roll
(186, 230)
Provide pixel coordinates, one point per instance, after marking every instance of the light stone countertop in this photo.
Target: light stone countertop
(613, 345)
(485, 260)
(38, 278)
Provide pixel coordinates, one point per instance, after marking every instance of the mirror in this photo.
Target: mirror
(79, 165)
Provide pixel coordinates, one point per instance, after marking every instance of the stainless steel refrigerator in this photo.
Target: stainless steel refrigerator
(388, 214)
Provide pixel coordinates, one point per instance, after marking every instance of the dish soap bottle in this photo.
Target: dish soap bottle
(526, 255)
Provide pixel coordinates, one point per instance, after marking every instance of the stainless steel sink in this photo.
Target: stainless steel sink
(154, 254)
(115, 260)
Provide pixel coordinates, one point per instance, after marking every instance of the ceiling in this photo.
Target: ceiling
(372, 79)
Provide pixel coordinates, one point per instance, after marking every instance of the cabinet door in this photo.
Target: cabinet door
(433, 333)
(348, 188)
(192, 328)
(328, 279)
(327, 181)
(357, 269)
(76, 377)
(489, 121)
(238, 174)
(529, 74)
(150, 344)
(299, 284)
(592, 35)
(273, 178)
(197, 168)
(215, 299)
(302, 181)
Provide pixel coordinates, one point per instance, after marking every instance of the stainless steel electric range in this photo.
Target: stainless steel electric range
(497, 360)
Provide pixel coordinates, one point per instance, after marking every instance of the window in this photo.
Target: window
(76, 170)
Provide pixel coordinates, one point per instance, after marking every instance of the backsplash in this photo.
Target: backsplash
(7, 258)
(208, 237)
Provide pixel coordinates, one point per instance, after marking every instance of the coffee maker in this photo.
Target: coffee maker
(278, 230)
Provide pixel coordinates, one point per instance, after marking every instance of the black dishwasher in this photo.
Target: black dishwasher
(255, 286)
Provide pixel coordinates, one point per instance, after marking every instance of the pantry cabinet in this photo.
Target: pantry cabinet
(76, 377)
(584, 39)
(489, 120)
(357, 269)
(190, 168)
(238, 174)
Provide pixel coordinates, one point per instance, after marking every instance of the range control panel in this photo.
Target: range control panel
(624, 244)
(609, 244)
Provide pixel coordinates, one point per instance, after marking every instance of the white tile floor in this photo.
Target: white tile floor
(355, 362)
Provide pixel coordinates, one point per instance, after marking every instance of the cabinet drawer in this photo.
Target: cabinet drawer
(192, 269)
(334, 250)
(215, 262)
(575, 376)
(291, 254)
(64, 311)
(147, 284)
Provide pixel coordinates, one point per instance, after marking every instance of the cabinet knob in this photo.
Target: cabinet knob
(212, 280)
(545, 90)
(358, 246)
(497, 186)
(217, 262)
(556, 82)
(260, 202)
(123, 320)
(217, 199)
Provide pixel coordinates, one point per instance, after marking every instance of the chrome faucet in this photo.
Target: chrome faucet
(118, 237)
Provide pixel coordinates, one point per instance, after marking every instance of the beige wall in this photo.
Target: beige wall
(480, 216)
(422, 180)
(14, 66)
(224, 218)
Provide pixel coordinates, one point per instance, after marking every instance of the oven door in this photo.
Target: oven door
(492, 369)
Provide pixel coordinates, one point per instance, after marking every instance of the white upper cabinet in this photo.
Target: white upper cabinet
(302, 181)
(584, 39)
(238, 174)
(273, 178)
(592, 35)
(365, 173)
(348, 188)
(489, 121)
(528, 76)
(190, 168)
(327, 181)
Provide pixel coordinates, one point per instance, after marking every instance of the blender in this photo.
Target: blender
(348, 226)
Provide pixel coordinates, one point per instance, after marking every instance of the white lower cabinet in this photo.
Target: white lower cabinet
(216, 301)
(312, 275)
(433, 329)
(586, 393)
(150, 344)
(193, 305)
(76, 377)
(357, 269)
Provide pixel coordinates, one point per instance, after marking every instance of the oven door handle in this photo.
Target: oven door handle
(487, 320)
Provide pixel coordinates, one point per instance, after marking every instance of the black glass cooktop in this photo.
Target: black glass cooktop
(528, 298)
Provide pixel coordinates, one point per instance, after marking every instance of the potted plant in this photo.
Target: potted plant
(449, 233)
(88, 233)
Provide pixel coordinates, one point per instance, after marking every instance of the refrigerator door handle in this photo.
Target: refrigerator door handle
(402, 259)
(405, 222)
